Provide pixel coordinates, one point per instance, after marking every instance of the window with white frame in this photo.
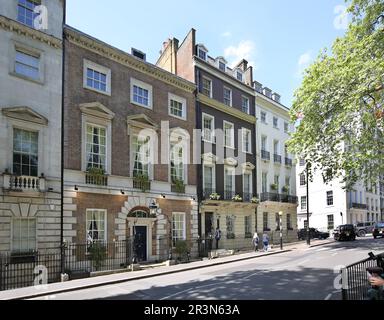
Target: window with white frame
(177, 106)
(229, 134)
(246, 140)
(202, 53)
(208, 128)
(227, 96)
(230, 224)
(239, 75)
(245, 104)
(207, 87)
(25, 11)
(141, 155)
(286, 127)
(178, 227)
(264, 182)
(96, 225)
(263, 117)
(97, 77)
(25, 152)
(222, 66)
(23, 234)
(277, 182)
(27, 64)
(329, 198)
(247, 185)
(96, 146)
(265, 221)
(229, 183)
(303, 180)
(209, 179)
(264, 143)
(276, 148)
(141, 93)
(330, 222)
(303, 203)
(177, 162)
(275, 122)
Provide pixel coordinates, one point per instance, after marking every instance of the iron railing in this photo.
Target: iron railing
(277, 197)
(277, 158)
(143, 185)
(265, 155)
(288, 162)
(355, 282)
(359, 206)
(96, 179)
(228, 195)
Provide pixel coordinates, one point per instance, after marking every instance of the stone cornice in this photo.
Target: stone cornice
(17, 27)
(224, 108)
(86, 42)
(267, 103)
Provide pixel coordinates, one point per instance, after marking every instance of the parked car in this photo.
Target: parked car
(378, 230)
(345, 232)
(363, 228)
(313, 233)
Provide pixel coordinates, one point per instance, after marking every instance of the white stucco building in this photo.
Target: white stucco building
(30, 124)
(330, 205)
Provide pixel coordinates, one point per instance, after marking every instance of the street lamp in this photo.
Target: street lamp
(154, 210)
(281, 230)
(308, 235)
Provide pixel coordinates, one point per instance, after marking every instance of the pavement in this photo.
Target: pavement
(87, 283)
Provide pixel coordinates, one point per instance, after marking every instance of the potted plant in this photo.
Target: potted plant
(179, 186)
(141, 181)
(255, 200)
(237, 198)
(285, 189)
(97, 254)
(214, 196)
(181, 249)
(273, 186)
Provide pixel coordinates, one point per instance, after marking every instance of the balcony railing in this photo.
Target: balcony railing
(228, 195)
(143, 185)
(23, 183)
(96, 179)
(265, 155)
(207, 192)
(178, 188)
(247, 197)
(359, 206)
(276, 158)
(288, 162)
(277, 197)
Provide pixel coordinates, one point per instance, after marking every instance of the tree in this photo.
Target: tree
(339, 107)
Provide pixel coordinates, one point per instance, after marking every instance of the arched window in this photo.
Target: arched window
(139, 214)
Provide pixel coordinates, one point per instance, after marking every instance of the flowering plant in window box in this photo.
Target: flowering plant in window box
(274, 186)
(237, 198)
(255, 200)
(285, 189)
(214, 196)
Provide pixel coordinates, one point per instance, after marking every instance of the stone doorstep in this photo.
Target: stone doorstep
(220, 253)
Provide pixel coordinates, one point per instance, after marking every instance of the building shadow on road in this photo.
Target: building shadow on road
(301, 284)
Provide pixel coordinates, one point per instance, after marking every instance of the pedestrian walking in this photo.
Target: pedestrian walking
(255, 241)
(265, 241)
(217, 237)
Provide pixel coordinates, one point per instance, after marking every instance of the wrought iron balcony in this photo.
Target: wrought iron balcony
(23, 183)
(265, 155)
(96, 179)
(178, 188)
(358, 206)
(277, 158)
(277, 197)
(207, 193)
(247, 197)
(143, 185)
(228, 195)
(288, 162)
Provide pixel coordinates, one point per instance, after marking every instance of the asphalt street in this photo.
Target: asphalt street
(302, 274)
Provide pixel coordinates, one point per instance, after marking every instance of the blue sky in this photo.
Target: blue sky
(278, 37)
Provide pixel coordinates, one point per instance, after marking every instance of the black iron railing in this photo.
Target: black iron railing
(228, 195)
(247, 197)
(359, 206)
(355, 282)
(207, 192)
(143, 185)
(265, 155)
(277, 158)
(277, 197)
(288, 162)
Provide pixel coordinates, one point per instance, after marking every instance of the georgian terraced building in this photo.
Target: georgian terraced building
(128, 128)
(226, 117)
(30, 124)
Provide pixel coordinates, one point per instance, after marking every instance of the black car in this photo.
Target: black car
(313, 233)
(378, 230)
(345, 232)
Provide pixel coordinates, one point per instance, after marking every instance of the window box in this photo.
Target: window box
(178, 186)
(141, 182)
(214, 196)
(255, 200)
(237, 198)
(96, 176)
(24, 257)
(274, 186)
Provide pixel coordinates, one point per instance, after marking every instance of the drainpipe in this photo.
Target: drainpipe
(62, 249)
(256, 164)
(198, 167)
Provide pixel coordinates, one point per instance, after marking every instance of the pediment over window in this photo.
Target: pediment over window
(248, 166)
(25, 114)
(97, 109)
(141, 121)
(230, 162)
(209, 158)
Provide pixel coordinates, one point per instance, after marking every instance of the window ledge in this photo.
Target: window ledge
(229, 147)
(207, 141)
(106, 93)
(17, 75)
(177, 117)
(141, 105)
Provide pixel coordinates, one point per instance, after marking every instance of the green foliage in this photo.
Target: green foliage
(285, 189)
(342, 101)
(142, 180)
(214, 196)
(97, 254)
(255, 200)
(237, 198)
(274, 186)
(181, 248)
(179, 186)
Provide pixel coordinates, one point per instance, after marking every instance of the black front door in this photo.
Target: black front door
(208, 224)
(141, 243)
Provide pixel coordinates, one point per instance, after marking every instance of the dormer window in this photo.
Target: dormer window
(202, 52)
(239, 75)
(222, 66)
